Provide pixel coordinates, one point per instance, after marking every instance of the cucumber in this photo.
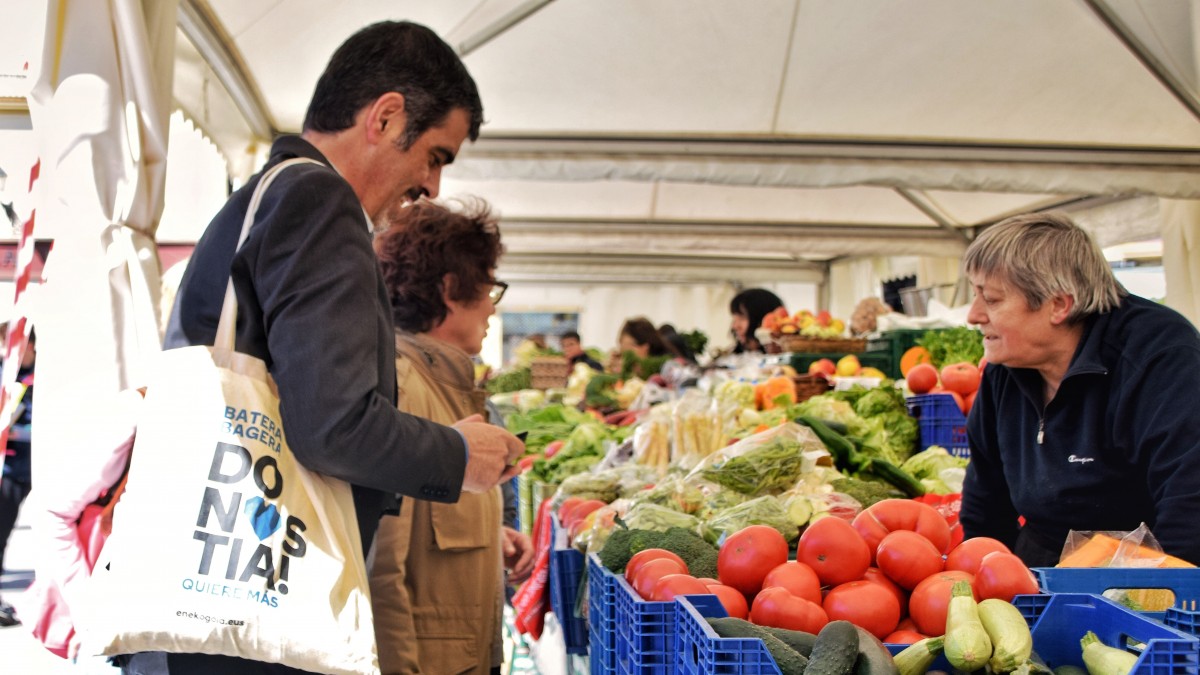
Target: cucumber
(796, 639)
(835, 650)
(844, 453)
(790, 662)
(873, 657)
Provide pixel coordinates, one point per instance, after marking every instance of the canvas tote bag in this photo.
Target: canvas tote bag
(222, 543)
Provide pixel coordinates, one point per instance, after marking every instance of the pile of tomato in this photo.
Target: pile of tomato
(888, 571)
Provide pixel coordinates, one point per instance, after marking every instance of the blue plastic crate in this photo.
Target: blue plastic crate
(1057, 622)
(602, 617)
(941, 422)
(645, 633)
(1067, 616)
(700, 651)
(1183, 582)
(566, 571)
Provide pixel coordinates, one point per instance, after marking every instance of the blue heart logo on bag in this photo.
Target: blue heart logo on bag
(263, 517)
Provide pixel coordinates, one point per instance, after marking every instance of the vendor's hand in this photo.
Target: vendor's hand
(492, 454)
(518, 554)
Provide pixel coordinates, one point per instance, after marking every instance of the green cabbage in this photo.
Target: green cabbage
(929, 463)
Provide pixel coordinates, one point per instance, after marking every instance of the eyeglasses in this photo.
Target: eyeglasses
(497, 292)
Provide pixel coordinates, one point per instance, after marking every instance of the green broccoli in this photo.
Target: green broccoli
(699, 556)
(616, 552)
(866, 492)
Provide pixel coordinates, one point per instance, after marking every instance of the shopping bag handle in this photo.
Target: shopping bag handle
(227, 324)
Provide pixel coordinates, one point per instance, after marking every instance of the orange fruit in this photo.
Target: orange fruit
(912, 357)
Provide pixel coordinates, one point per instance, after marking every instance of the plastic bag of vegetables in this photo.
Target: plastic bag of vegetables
(657, 518)
(673, 493)
(766, 510)
(768, 462)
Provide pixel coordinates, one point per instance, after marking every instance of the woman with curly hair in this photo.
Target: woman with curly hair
(436, 575)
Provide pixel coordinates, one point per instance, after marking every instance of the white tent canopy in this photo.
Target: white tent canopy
(710, 142)
(677, 139)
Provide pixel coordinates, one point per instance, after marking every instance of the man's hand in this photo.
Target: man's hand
(492, 454)
(518, 555)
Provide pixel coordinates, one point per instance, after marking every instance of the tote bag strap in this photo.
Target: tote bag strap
(227, 324)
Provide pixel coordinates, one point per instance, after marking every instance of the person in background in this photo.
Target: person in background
(748, 309)
(573, 350)
(676, 343)
(16, 481)
(437, 585)
(392, 108)
(640, 336)
(1085, 418)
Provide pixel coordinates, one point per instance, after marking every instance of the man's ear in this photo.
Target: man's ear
(1060, 308)
(385, 118)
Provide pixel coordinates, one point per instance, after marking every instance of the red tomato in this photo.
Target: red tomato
(748, 555)
(731, 598)
(907, 558)
(552, 448)
(567, 504)
(907, 623)
(922, 378)
(707, 581)
(967, 555)
(671, 585)
(649, 574)
(865, 604)
(903, 637)
(777, 608)
(877, 575)
(929, 600)
(834, 550)
(526, 462)
(982, 365)
(800, 580)
(1003, 575)
(646, 555)
(969, 402)
(890, 515)
(579, 511)
(962, 377)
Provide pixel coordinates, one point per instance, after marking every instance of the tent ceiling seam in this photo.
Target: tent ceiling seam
(1143, 54)
(204, 30)
(787, 60)
(923, 204)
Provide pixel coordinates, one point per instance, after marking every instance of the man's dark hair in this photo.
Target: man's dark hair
(431, 242)
(394, 56)
(570, 335)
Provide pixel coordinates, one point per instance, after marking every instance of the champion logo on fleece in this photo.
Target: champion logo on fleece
(1080, 460)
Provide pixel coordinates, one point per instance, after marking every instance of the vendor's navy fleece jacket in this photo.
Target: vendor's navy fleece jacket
(1118, 445)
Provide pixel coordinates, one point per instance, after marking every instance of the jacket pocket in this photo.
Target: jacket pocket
(465, 525)
(448, 639)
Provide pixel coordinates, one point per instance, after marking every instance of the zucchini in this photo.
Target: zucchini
(1012, 643)
(1101, 659)
(835, 650)
(845, 454)
(917, 657)
(967, 644)
(873, 657)
(894, 475)
(789, 661)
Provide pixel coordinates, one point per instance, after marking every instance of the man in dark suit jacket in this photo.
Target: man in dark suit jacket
(392, 108)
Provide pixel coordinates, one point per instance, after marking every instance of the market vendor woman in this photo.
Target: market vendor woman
(1086, 417)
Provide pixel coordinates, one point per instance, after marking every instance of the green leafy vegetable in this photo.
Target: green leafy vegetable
(771, 467)
(953, 345)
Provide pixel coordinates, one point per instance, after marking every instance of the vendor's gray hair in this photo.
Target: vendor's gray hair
(1043, 255)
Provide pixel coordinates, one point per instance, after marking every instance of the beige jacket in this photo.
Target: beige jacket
(436, 573)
